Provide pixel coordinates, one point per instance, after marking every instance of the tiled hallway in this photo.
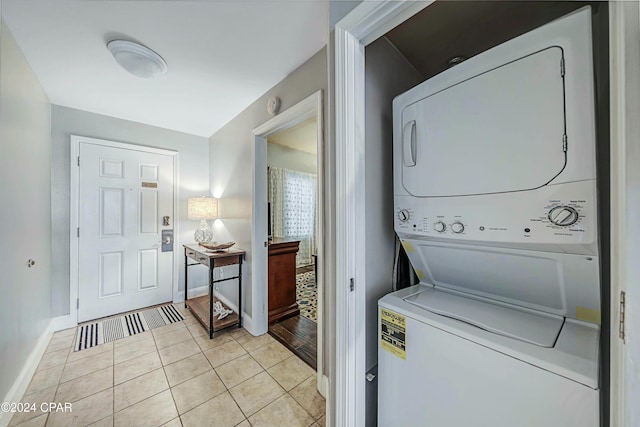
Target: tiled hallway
(173, 376)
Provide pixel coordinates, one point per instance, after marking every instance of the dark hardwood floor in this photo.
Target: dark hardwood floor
(305, 269)
(299, 335)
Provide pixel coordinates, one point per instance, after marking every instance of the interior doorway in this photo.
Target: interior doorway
(292, 176)
(287, 290)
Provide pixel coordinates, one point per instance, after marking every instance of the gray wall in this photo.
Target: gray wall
(193, 177)
(339, 9)
(285, 157)
(387, 74)
(231, 164)
(25, 219)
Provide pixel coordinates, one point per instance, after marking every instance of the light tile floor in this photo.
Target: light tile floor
(174, 376)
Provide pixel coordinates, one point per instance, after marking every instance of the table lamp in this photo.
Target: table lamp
(202, 208)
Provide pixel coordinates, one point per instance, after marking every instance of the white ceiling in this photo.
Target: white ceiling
(222, 55)
(301, 137)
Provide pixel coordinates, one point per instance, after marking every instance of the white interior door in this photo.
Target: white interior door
(123, 196)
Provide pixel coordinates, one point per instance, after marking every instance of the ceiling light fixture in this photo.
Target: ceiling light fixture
(137, 59)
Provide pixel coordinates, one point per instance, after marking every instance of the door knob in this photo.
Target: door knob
(167, 240)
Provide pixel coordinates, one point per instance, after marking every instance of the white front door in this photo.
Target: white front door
(123, 196)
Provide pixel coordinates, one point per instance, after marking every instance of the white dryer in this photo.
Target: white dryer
(495, 200)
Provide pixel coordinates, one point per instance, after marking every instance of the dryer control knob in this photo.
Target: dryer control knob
(563, 216)
(440, 227)
(457, 227)
(404, 215)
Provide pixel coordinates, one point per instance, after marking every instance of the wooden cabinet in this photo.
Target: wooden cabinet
(282, 279)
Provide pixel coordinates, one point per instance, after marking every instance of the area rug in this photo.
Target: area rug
(115, 328)
(307, 295)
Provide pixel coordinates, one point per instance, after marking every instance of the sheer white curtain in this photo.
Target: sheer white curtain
(293, 209)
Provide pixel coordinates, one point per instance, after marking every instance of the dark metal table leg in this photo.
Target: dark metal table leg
(211, 267)
(239, 291)
(186, 269)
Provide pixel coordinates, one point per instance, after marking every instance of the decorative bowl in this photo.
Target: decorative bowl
(215, 246)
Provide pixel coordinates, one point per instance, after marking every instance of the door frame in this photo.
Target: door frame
(364, 24)
(308, 107)
(74, 219)
(624, 27)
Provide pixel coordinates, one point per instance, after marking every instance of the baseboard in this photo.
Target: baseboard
(229, 304)
(61, 323)
(247, 323)
(193, 293)
(329, 407)
(16, 392)
(323, 387)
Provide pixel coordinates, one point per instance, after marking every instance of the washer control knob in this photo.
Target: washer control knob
(563, 216)
(440, 227)
(404, 215)
(457, 227)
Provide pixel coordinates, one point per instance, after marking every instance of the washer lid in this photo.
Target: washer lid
(505, 128)
(541, 329)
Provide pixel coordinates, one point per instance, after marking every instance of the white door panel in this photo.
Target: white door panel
(123, 196)
(496, 124)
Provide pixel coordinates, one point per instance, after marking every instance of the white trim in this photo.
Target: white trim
(367, 22)
(227, 302)
(16, 392)
(259, 260)
(247, 323)
(617, 95)
(371, 20)
(204, 290)
(194, 292)
(75, 142)
(349, 121)
(624, 26)
(61, 323)
(321, 199)
(308, 107)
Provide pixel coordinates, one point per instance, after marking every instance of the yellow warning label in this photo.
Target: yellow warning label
(588, 314)
(408, 246)
(393, 333)
(420, 274)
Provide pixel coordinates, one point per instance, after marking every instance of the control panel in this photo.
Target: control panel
(562, 215)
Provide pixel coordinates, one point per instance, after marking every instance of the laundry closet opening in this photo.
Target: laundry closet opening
(439, 37)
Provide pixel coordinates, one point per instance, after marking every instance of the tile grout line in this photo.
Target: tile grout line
(58, 382)
(113, 388)
(63, 369)
(46, 421)
(167, 378)
(228, 390)
(285, 392)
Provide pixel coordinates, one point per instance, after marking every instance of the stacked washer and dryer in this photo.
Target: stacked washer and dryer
(495, 200)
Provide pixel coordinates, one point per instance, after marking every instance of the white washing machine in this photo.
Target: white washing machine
(495, 200)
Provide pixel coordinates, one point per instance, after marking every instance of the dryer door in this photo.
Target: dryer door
(504, 128)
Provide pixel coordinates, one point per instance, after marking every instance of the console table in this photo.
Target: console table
(282, 279)
(202, 307)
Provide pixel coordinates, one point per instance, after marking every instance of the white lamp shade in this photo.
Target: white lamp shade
(202, 208)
